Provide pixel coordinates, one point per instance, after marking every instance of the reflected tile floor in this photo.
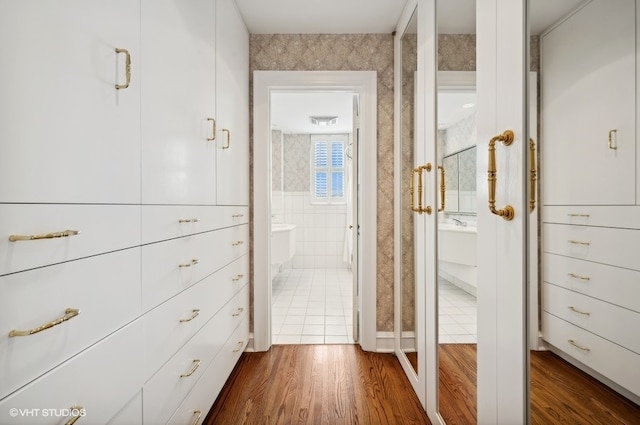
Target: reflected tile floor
(458, 314)
(312, 306)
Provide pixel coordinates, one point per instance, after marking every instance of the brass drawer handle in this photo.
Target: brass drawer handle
(69, 313)
(572, 342)
(577, 276)
(188, 220)
(613, 139)
(575, 310)
(213, 130)
(237, 215)
(238, 312)
(228, 139)
(191, 263)
(197, 419)
(238, 243)
(533, 175)
(63, 234)
(579, 242)
(237, 277)
(77, 412)
(196, 365)
(506, 138)
(127, 63)
(195, 312)
(579, 215)
(443, 188)
(238, 346)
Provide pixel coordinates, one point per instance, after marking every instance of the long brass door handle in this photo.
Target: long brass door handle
(533, 175)
(127, 64)
(213, 129)
(227, 143)
(506, 138)
(442, 188)
(418, 170)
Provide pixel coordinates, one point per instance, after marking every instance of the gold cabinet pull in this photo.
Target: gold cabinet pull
(198, 414)
(196, 365)
(237, 243)
(238, 346)
(63, 234)
(213, 129)
(578, 215)
(237, 277)
(237, 215)
(194, 313)
(533, 175)
(506, 138)
(238, 312)
(188, 220)
(613, 139)
(577, 276)
(127, 63)
(418, 170)
(227, 142)
(69, 314)
(77, 412)
(575, 344)
(574, 242)
(193, 262)
(442, 188)
(575, 310)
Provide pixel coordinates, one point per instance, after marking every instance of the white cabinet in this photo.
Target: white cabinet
(232, 100)
(66, 134)
(588, 91)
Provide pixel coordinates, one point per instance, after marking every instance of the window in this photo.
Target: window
(328, 170)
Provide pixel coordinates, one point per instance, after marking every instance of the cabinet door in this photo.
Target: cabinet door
(232, 98)
(178, 72)
(588, 96)
(66, 133)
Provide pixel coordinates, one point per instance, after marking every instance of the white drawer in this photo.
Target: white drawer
(165, 390)
(102, 380)
(195, 407)
(606, 320)
(131, 414)
(171, 324)
(106, 291)
(617, 247)
(162, 222)
(172, 266)
(594, 215)
(612, 284)
(616, 363)
(103, 228)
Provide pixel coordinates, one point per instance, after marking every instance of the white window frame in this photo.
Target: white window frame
(329, 139)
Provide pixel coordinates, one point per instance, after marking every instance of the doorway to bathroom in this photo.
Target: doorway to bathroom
(314, 208)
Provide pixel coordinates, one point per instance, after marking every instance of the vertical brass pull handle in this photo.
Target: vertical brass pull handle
(196, 365)
(127, 63)
(228, 139)
(77, 412)
(418, 170)
(54, 235)
(613, 139)
(533, 175)
(213, 129)
(506, 138)
(575, 344)
(198, 414)
(442, 188)
(69, 314)
(194, 313)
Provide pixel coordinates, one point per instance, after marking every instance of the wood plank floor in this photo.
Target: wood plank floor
(317, 384)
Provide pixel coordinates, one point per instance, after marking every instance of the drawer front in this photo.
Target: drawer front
(594, 215)
(612, 284)
(101, 380)
(131, 414)
(162, 222)
(199, 401)
(617, 247)
(171, 324)
(616, 363)
(103, 228)
(596, 316)
(165, 390)
(170, 267)
(106, 291)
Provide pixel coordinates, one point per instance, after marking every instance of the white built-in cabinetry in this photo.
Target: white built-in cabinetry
(591, 211)
(123, 211)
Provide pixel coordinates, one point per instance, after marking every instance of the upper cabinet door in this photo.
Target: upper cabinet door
(232, 100)
(589, 107)
(67, 135)
(178, 102)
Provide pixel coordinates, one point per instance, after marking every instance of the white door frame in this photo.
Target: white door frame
(365, 84)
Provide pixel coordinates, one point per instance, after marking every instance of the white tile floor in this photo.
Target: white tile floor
(458, 315)
(312, 306)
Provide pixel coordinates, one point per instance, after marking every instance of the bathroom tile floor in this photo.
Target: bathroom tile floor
(312, 306)
(458, 314)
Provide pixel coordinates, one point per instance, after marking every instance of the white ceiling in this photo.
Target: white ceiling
(290, 111)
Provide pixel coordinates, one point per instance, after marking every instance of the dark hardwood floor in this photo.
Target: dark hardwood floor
(317, 384)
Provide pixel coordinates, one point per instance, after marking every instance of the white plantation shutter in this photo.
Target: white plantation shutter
(327, 180)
